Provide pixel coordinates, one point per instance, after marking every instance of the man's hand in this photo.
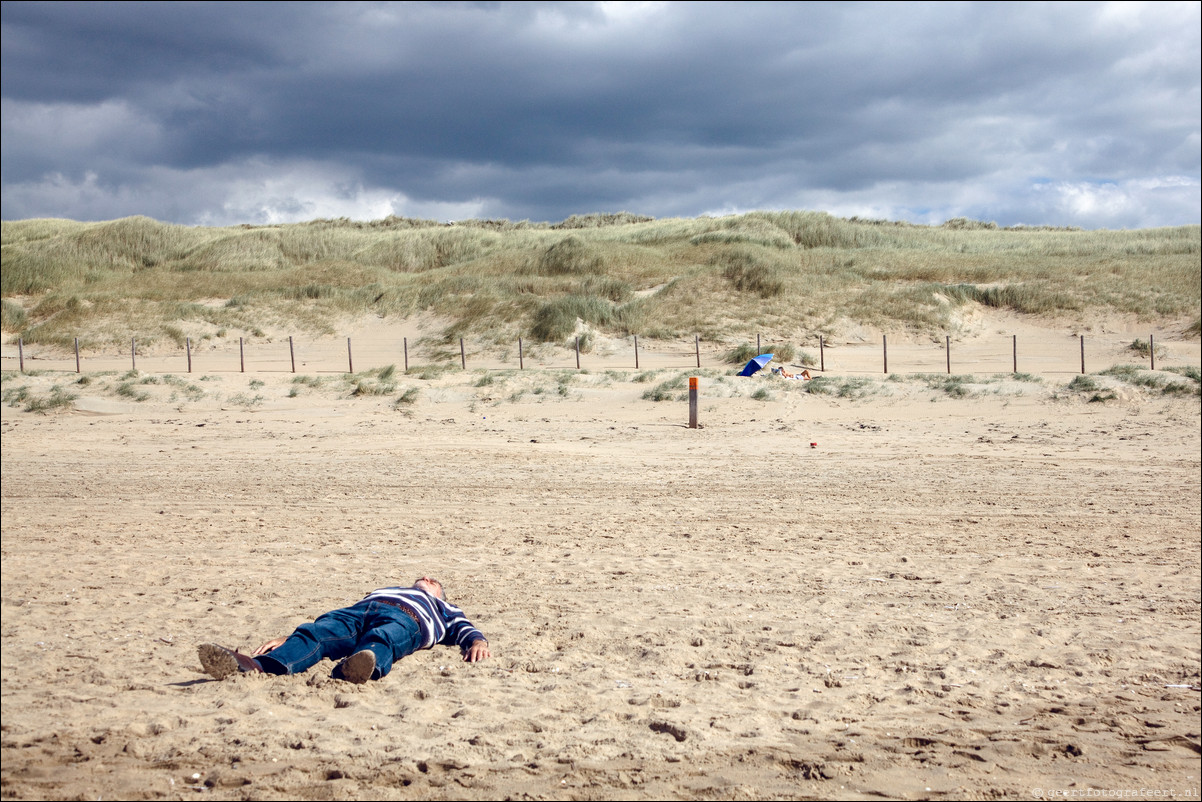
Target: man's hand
(274, 643)
(476, 652)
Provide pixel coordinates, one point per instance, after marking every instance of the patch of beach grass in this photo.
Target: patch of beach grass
(12, 316)
(1083, 384)
(58, 398)
(841, 386)
(740, 354)
(673, 389)
(781, 352)
(951, 386)
(245, 400)
(1088, 385)
(31, 400)
(129, 389)
(748, 271)
(182, 387)
(378, 381)
(1188, 371)
(407, 398)
(564, 382)
(1156, 381)
(15, 395)
(1144, 348)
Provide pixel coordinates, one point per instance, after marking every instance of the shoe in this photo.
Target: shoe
(219, 662)
(358, 668)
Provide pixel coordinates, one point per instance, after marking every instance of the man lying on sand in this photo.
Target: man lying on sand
(368, 637)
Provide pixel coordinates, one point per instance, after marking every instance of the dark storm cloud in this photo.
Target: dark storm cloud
(214, 112)
(84, 52)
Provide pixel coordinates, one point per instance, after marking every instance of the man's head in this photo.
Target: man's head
(431, 586)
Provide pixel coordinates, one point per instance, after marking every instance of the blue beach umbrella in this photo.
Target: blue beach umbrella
(756, 363)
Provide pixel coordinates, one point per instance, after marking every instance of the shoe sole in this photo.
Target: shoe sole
(359, 667)
(217, 662)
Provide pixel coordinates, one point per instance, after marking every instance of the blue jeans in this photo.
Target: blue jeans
(381, 628)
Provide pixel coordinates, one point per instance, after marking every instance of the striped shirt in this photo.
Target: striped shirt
(438, 621)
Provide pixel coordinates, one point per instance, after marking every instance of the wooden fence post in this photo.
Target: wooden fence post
(188, 347)
(462, 355)
(77, 355)
(405, 343)
(21, 354)
(948, 347)
(885, 351)
(521, 361)
(693, 402)
(133, 352)
(350, 363)
(697, 347)
(821, 353)
(1014, 350)
(636, 352)
(1082, 354)
(577, 353)
(292, 353)
(241, 356)
(1152, 349)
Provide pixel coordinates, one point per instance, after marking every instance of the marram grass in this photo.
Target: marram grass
(789, 275)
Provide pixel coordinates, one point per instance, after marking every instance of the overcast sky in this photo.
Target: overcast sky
(216, 113)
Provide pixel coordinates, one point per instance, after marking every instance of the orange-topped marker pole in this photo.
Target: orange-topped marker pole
(692, 402)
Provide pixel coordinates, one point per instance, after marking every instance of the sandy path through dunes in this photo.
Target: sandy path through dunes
(965, 598)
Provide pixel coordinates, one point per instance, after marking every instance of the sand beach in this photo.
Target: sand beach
(988, 595)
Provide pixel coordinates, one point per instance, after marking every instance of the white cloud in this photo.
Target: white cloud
(254, 191)
(287, 193)
(1137, 203)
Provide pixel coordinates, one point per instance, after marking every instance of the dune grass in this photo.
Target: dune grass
(378, 381)
(781, 353)
(1101, 386)
(26, 398)
(786, 274)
